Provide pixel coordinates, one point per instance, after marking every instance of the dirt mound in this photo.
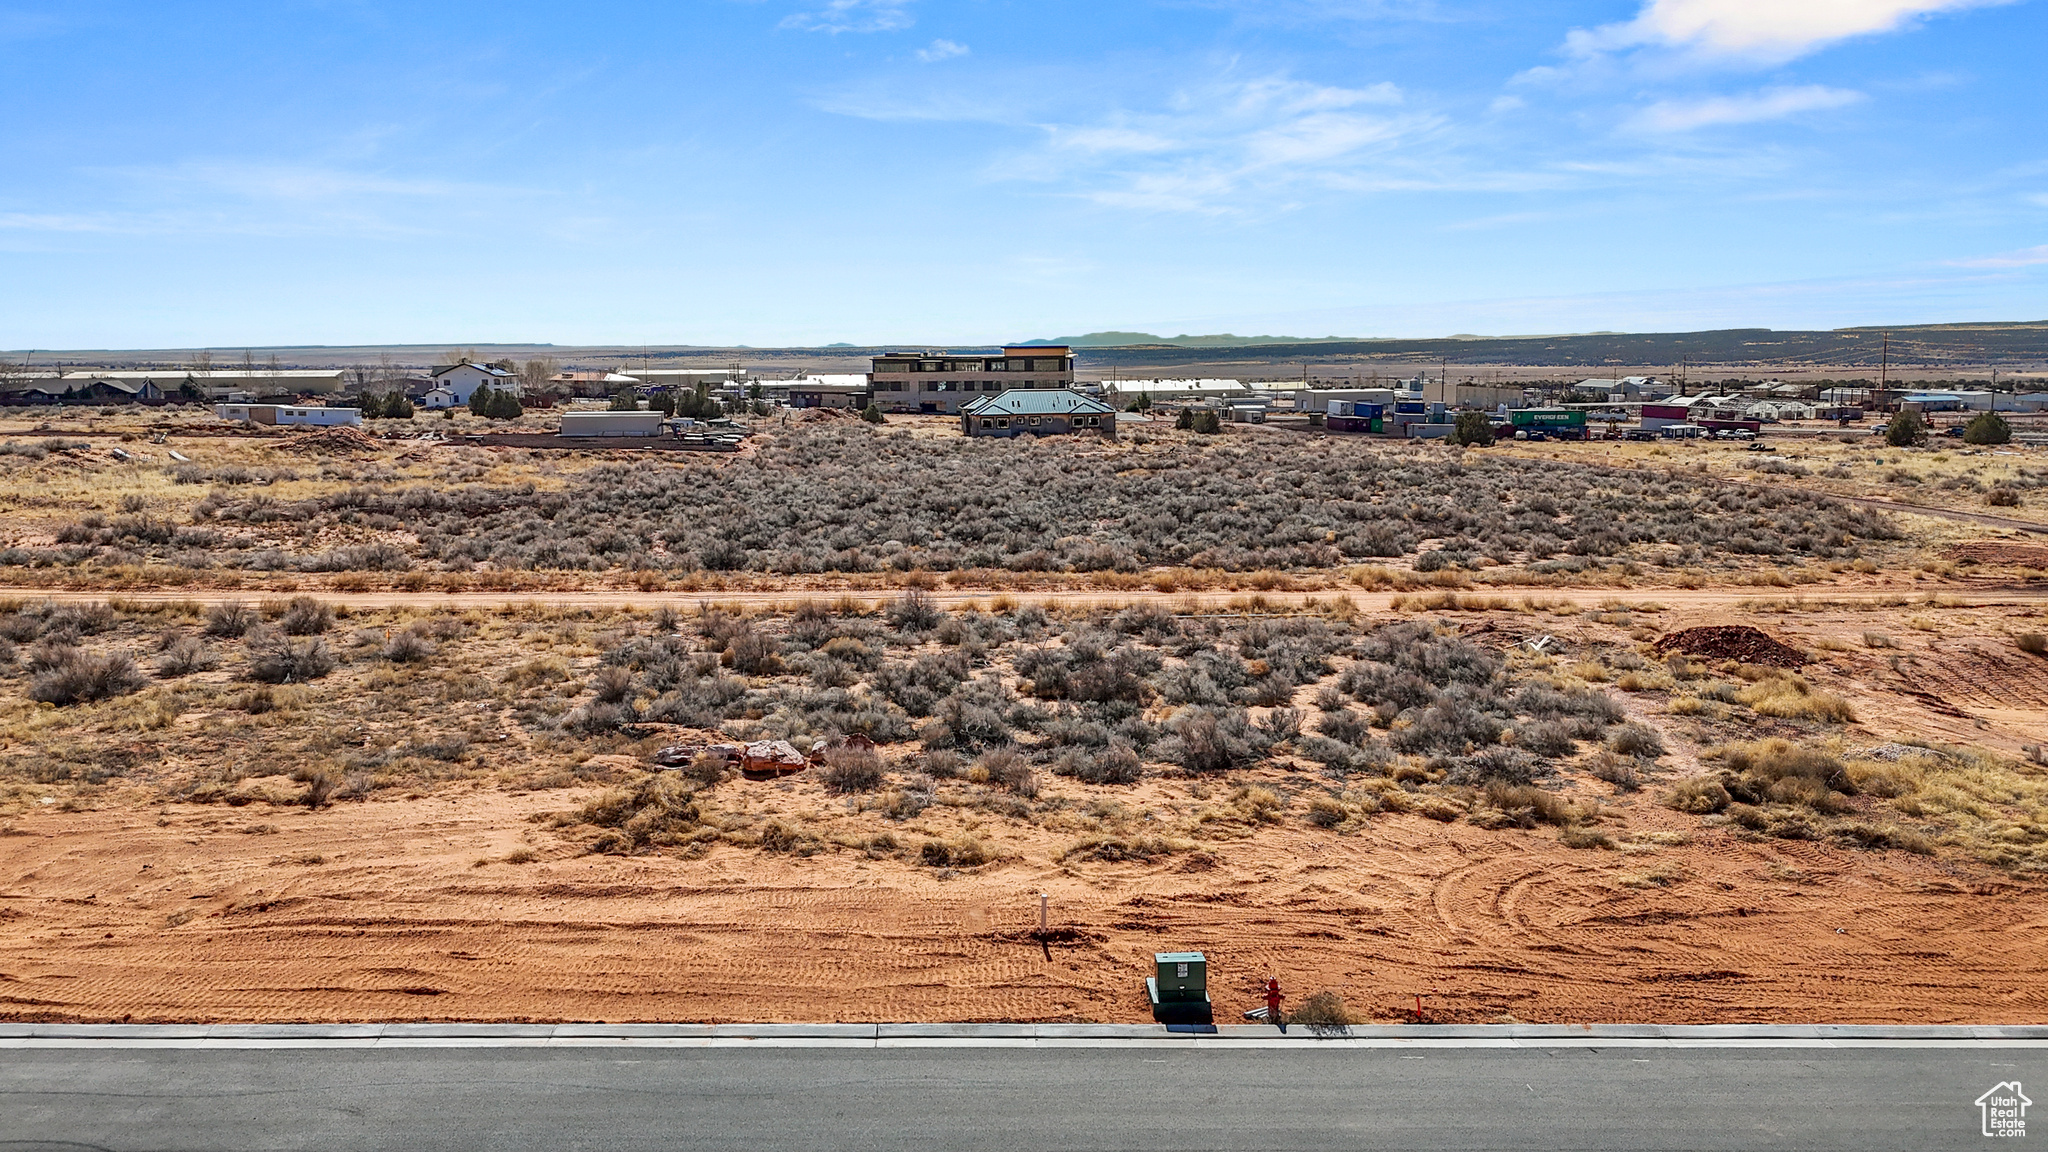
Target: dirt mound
(1732, 642)
(331, 442)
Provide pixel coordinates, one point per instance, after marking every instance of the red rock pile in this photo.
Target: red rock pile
(1732, 642)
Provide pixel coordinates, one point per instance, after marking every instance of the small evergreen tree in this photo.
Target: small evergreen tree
(1186, 420)
(873, 414)
(504, 405)
(1988, 428)
(1474, 428)
(624, 401)
(1906, 430)
(396, 406)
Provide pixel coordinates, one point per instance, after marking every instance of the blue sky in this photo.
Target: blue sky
(962, 171)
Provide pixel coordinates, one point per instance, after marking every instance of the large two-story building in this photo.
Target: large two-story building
(944, 381)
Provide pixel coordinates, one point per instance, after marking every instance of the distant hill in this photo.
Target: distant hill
(1148, 340)
(1924, 345)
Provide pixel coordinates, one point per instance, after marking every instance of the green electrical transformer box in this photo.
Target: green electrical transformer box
(1182, 975)
(1179, 990)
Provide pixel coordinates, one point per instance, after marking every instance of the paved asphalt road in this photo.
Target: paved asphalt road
(766, 1100)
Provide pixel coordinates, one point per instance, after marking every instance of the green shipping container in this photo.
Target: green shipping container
(1548, 418)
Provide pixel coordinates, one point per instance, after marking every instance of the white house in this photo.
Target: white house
(454, 384)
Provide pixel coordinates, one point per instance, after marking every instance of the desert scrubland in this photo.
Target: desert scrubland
(327, 725)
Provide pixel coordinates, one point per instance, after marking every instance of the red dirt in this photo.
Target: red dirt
(114, 915)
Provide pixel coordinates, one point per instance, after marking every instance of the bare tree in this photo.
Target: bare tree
(536, 376)
(202, 361)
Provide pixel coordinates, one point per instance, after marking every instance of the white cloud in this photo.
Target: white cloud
(941, 50)
(1769, 104)
(1219, 146)
(1107, 139)
(1767, 30)
(55, 222)
(853, 16)
(2024, 258)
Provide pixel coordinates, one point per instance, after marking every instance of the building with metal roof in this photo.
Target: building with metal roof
(1037, 413)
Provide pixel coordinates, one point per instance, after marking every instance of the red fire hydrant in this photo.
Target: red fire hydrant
(1273, 999)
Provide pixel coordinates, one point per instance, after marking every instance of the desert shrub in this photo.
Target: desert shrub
(1619, 771)
(185, 656)
(1205, 741)
(964, 852)
(1327, 812)
(1345, 725)
(1546, 738)
(229, 620)
(915, 612)
(1490, 765)
(612, 685)
(1633, 739)
(850, 768)
(1791, 697)
(1579, 837)
(809, 502)
(753, 653)
(1699, 796)
(1118, 849)
(975, 716)
(1322, 1011)
(919, 685)
(1529, 805)
(305, 616)
(1779, 771)
(657, 809)
(77, 677)
(1007, 769)
(407, 646)
(1456, 722)
(941, 764)
(276, 658)
(1281, 724)
(2032, 643)
(2002, 497)
(1116, 763)
(1884, 836)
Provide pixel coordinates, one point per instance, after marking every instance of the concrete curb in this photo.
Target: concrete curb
(395, 1035)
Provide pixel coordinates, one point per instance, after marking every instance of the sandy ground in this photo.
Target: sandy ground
(203, 913)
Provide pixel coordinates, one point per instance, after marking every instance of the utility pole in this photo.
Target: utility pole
(1884, 373)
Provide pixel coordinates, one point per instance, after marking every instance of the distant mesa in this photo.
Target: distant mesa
(1147, 339)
